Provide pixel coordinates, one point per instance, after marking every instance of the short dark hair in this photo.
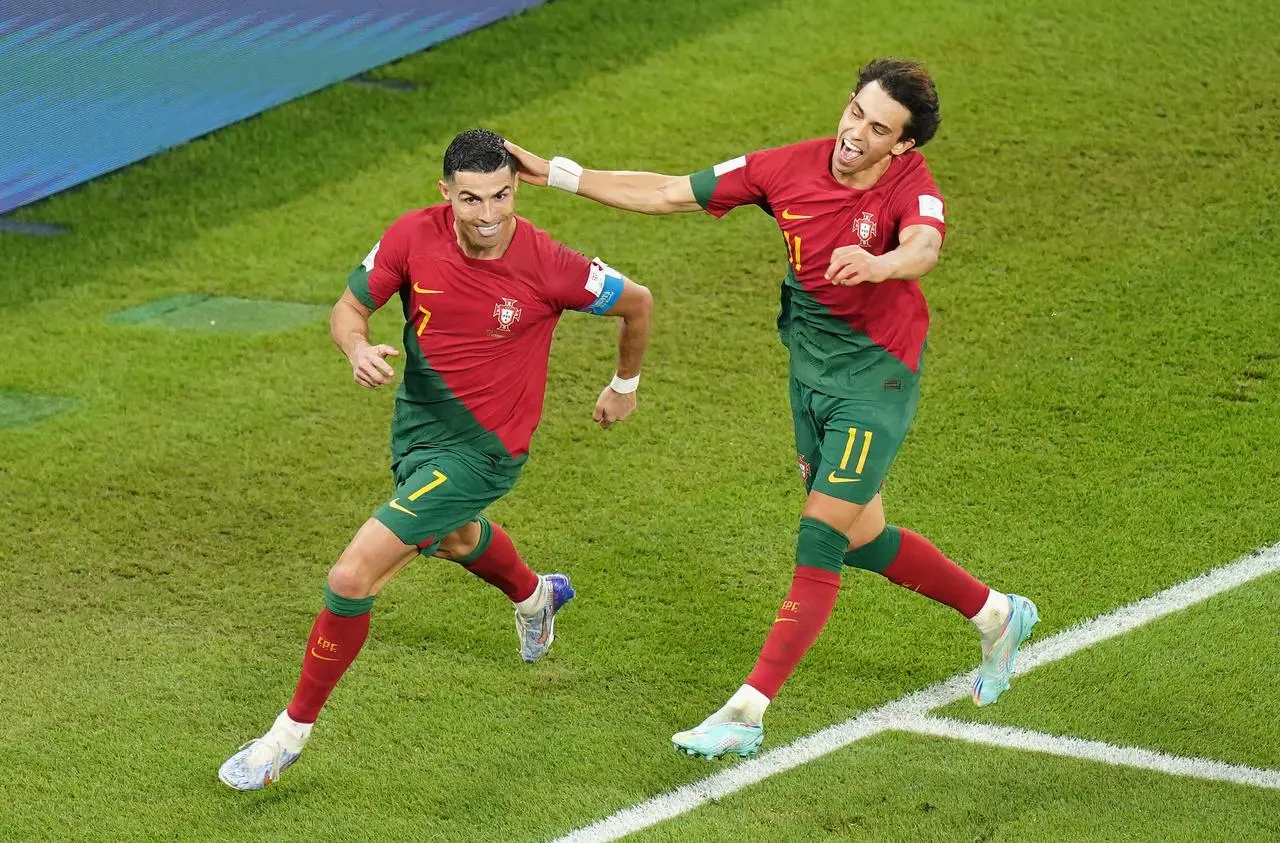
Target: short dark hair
(477, 151)
(908, 82)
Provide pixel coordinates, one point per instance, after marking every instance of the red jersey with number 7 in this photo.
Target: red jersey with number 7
(477, 333)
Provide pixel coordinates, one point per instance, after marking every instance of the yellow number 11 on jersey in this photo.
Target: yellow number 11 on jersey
(793, 249)
(832, 477)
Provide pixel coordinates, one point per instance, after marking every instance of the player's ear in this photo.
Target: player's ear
(902, 146)
(444, 189)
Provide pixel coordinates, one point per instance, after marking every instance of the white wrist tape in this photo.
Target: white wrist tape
(624, 385)
(564, 173)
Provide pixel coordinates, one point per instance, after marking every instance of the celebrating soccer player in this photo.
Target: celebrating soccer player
(862, 220)
(482, 290)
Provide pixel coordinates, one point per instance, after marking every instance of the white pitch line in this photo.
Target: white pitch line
(1118, 756)
(887, 716)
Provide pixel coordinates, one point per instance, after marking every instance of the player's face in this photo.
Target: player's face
(870, 131)
(484, 206)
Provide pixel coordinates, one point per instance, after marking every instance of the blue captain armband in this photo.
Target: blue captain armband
(605, 283)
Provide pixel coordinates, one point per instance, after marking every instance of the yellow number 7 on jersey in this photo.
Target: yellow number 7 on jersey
(422, 311)
(439, 478)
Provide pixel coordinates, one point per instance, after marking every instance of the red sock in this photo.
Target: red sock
(501, 566)
(921, 567)
(334, 642)
(800, 619)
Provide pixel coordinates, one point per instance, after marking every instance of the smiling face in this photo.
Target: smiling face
(484, 207)
(480, 184)
(870, 133)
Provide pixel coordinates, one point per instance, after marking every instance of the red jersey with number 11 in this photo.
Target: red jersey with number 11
(845, 341)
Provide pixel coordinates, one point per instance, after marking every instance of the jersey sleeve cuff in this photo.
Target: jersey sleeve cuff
(704, 185)
(936, 224)
(358, 284)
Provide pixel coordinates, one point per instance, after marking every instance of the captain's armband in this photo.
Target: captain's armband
(605, 283)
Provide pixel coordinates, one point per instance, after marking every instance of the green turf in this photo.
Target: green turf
(1199, 683)
(912, 788)
(1098, 421)
(195, 312)
(21, 408)
(158, 309)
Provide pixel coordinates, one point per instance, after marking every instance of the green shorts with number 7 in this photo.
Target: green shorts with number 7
(844, 446)
(438, 489)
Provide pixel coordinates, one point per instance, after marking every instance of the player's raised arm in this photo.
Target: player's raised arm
(647, 193)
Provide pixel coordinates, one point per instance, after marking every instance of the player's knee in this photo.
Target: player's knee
(839, 514)
(869, 526)
(350, 581)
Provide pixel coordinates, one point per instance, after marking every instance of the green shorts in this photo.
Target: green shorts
(438, 489)
(844, 446)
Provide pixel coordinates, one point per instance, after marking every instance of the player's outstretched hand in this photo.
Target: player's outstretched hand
(368, 367)
(613, 407)
(853, 265)
(532, 168)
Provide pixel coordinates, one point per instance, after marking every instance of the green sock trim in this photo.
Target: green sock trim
(486, 538)
(877, 554)
(346, 607)
(820, 545)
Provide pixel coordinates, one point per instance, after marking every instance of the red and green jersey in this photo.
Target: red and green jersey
(844, 341)
(477, 332)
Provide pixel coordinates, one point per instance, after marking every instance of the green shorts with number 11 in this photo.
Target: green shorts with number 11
(844, 446)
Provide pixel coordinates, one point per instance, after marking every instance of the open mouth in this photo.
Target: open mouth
(488, 230)
(848, 154)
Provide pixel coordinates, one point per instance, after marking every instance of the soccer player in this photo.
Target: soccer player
(862, 220)
(482, 290)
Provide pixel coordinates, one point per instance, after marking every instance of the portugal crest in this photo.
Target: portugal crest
(865, 227)
(806, 470)
(507, 314)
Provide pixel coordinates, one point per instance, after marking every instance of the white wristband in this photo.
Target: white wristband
(564, 174)
(625, 385)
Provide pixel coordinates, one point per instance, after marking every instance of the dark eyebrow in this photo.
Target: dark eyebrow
(873, 122)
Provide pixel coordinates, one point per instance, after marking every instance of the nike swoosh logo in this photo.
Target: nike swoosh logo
(395, 504)
(785, 620)
(787, 215)
(320, 657)
(423, 292)
(831, 478)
